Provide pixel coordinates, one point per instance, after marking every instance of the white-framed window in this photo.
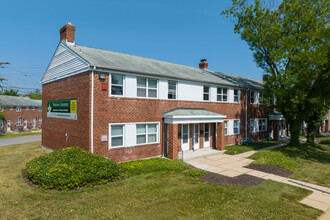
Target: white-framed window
(206, 93)
(18, 122)
(172, 85)
(146, 133)
(252, 97)
(27, 108)
(39, 109)
(32, 108)
(147, 87)
(117, 85)
(18, 109)
(236, 95)
(39, 121)
(262, 124)
(226, 127)
(222, 94)
(236, 127)
(252, 125)
(117, 135)
(11, 108)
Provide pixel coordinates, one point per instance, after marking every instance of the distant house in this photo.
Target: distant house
(20, 112)
(128, 107)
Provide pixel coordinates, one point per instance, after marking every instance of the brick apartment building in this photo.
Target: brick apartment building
(20, 112)
(128, 107)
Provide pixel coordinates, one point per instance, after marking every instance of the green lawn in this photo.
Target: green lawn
(159, 195)
(21, 134)
(308, 163)
(237, 149)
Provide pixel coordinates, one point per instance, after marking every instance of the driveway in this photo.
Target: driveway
(19, 140)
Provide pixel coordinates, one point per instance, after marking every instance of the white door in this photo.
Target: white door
(25, 123)
(34, 123)
(207, 135)
(185, 137)
(195, 136)
(8, 125)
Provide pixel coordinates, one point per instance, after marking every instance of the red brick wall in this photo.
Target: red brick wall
(30, 114)
(54, 129)
(124, 110)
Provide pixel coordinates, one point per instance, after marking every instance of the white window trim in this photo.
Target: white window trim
(226, 127)
(157, 134)
(11, 108)
(254, 97)
(33, 108)
(222, 88)
(110, 84)
(110, 137)
(27, 108)
(133, 123)
(238, 95)
(147, 88)
(209, 93)
(176, 89)
(20, 122)
(256, 125)
(238, 126)
(18, 109)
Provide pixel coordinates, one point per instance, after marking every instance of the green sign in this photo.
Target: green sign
(62, 109)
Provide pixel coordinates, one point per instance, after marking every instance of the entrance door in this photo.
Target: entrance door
(206, 135)
(185, 137)
(34, 123)
(25, 123)
(195, 137)
(8, 125)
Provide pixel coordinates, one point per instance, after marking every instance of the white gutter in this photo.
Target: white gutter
(92, 112)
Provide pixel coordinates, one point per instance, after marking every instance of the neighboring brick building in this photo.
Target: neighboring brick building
(128, 107)
(20, 112)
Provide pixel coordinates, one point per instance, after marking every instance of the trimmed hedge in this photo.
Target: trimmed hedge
(138, 167)
(71, 168)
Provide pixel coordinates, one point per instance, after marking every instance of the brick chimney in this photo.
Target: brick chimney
(203, 64)
(67, 32)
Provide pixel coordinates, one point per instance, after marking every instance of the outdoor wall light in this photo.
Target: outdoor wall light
(102, 76)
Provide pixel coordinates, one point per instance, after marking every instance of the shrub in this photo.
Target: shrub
(138, 167)
(71, 168)
(195, 173)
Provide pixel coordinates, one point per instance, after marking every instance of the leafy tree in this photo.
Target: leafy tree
(36, 94)
(11, 92)
(290, 42)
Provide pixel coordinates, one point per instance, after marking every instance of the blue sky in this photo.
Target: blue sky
(182, 32)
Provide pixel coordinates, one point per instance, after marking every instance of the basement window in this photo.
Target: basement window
(117, 84)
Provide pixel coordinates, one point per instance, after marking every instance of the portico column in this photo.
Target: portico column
(174, 143)
(220, 139)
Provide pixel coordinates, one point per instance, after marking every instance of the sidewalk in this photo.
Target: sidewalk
(233, 165)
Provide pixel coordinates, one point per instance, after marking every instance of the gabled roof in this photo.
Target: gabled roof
(104, 59)
(6, 100)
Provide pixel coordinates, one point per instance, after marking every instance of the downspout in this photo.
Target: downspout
(92, 112)
(246, 120)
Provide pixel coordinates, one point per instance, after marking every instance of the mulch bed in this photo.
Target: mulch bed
(242, 180)
(23, 172)
(273, 169)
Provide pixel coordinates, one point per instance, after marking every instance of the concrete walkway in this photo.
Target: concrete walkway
(233, 165)
(19, 140)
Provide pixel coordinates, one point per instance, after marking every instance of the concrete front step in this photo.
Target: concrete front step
(187, 155)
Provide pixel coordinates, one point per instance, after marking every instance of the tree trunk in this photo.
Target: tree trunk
(313, 125)
(295, 131)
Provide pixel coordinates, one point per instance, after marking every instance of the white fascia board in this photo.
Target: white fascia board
(276, 117)
(192, 121)
(194, 116)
